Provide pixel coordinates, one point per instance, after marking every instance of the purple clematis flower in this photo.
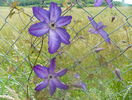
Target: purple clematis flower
(50, 77)
(99, 3)
(99, 29)
(51, 22)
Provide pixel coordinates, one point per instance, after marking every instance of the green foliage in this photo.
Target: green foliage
(116, 3)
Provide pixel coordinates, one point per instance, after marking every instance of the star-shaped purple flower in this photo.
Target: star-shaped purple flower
(51, 22)
(99, 3)
(99, 29)
(50, 77)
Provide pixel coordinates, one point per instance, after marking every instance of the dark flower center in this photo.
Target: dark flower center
(52, 25)
(50, 76)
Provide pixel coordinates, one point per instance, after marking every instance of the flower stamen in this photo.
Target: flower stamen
(50, 76)
(52, 25)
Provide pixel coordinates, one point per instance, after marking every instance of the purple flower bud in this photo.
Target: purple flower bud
(98, 50)
(113, 18)
(77, 76)
(118, 74)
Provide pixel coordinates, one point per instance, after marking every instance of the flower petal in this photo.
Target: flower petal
(61, 73)
(59, 84)
(77, 76)
(54, 42)
(41, 71)
(91, 30)
(64, 36)
(93, 23)
(52, 65)
(98, 3)
(41, 14)
(55, 12)
(83, 85)
(41, 85)
(63, 21)
(109, 2)
(38, 29)
(104, 35)
(100, 25)
(52, 87)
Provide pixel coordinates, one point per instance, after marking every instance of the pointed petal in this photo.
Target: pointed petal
(38, 29)
(91, 30)
(41, 14)
(61, 73)
(59, 84)
(63, 21)
(104, 35)
(55, 12)
(93, 23)
(52, 87)
(109, 2)
(83, 85)
(64, 36)
(100, 25)
(98, 3)
(53, 42)
(41, 71)
(52, 65)
(41, 85)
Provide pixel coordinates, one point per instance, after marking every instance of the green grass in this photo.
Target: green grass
(77, 57)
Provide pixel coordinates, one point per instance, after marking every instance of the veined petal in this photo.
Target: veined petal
(41, 71)
(53, 42)
(55, 12)
(93, 23)
(104, 35)
(109, 2)
(38, 29)
(41, 14)
(98, 3)
(52, 65)
(42, 85)
(91, 30)
(59, 84)
(63, 21)
(52, 87)
(61, 73)
(64, 36)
